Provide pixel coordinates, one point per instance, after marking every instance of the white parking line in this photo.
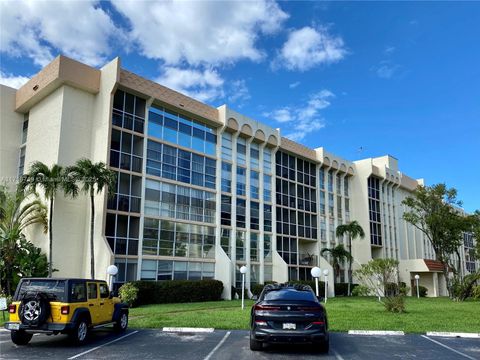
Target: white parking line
(218, 346)
(337, 355)
(449, 348)
(188, 329)
(100, 346)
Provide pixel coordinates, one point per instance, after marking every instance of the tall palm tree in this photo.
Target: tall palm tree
(93, 178)
(50, 180)
(338, 254)
(353, 230)
(17, 212)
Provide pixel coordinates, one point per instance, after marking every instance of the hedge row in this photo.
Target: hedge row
(177, 291)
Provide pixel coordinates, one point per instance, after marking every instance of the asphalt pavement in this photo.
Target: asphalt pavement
(234, 344)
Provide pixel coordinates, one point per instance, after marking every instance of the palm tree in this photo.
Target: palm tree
(51, 180)
(93, 177)
(339, 254)
(16, 214)
(353, 230)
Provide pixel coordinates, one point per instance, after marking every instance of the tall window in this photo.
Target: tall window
(226, 177)
(241, 181)
(128, 111)
(254, 156)
(254, 184)
(241, 151)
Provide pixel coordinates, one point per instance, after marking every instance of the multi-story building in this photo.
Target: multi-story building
(200, 191)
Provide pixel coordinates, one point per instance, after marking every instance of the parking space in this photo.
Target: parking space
(221, 344)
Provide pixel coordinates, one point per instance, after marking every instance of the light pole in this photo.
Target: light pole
(378, 290)
(112, 270)
(316, 273)
(325, 274)
(417, 277)
(243, 271)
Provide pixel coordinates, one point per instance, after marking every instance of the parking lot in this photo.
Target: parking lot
(222, 344)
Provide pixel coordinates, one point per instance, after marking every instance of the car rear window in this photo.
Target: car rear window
(54, 288)
(290, 294)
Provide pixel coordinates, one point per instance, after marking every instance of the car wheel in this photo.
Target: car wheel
(255, 345)
(80, 332)
(122, 323)
(20, 337)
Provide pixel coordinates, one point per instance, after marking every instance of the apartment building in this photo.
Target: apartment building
(201, 191)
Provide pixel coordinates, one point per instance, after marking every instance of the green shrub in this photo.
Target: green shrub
(422, 291)
(177, 291)
(361, 290)
(476, 292)
(394, 289)
(257, 288)
(395, 304)
(128, 293)
(341, 289)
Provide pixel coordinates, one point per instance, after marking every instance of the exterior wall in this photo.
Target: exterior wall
(10, 136)
(70, 117)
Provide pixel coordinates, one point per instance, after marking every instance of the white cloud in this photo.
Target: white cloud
(294, 85)
(387, 70)
(203, 85)
(389, 50)
(12, 80)
(238, 92)
(308, 47)
(200, 32)
(303, 119)
(41, 29)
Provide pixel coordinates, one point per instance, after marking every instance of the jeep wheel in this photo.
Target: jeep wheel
(122, 323)
(79, 334)
(20, 337)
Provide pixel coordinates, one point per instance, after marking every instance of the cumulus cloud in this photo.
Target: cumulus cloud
(201, 84)
(303, 119)
(200, 32)
(308, 47)
(41, 29)
(12, 80)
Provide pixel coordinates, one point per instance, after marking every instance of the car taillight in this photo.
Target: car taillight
(308, 308)
(266, 308)
(65, 310)
(12, 309)
(318, 323)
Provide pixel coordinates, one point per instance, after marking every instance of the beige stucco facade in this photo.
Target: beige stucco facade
(69, 110)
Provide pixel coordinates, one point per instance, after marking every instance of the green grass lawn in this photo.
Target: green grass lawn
(359, 313)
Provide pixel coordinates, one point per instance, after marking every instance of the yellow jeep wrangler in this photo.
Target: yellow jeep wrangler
(63, 306)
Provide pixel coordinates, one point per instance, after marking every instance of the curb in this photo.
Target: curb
(454, 334)
(375, 332)
(188, 330)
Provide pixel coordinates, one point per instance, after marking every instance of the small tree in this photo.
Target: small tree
(353, 230)
(50, 180)
(16, 214)
(431, 209)
(94, 177)
(338, 254)
(378, 275)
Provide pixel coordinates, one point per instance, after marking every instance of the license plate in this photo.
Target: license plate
(14, 326)
(289, 326)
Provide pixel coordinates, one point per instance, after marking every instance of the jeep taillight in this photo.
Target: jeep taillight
(12, 309)
(65, 310)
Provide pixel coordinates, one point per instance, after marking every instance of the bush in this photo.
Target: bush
(128, 293)
(476, 292)
(395, 304)
(361, 290)
(394, 289)
(341, 289)
(177, 291)
(257, 288)
(422, 290)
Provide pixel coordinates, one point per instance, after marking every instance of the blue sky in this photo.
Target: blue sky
(361, 79)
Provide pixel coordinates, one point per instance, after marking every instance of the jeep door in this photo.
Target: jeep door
(93, 302)
(106, 304)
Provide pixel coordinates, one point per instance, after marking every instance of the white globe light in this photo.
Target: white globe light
(316, 272)
(112, 270)
(243, 269)
(325, 272)
(417, 277)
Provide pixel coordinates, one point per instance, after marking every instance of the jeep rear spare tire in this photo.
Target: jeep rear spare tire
(34, 309)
